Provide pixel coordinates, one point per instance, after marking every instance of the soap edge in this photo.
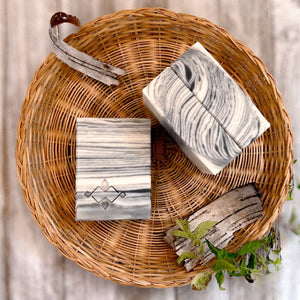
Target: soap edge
(188, 152)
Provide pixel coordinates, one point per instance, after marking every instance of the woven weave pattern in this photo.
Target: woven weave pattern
(143, 42)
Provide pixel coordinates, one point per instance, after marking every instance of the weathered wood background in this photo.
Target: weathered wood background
(30, 267)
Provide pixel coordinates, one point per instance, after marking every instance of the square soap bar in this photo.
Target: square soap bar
(220, 95)
(194, 129)
(113, 169)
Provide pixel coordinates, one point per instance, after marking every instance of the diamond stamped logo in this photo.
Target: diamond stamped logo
(105, 194)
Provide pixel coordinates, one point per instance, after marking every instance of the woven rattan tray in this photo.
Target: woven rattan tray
(143, 42)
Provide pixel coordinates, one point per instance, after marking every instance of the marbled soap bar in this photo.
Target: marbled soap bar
(194, 129)
(113, 169)
(220, 95)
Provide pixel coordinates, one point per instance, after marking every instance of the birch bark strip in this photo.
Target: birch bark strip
(82, 62)
(216, 210)
(233, 211)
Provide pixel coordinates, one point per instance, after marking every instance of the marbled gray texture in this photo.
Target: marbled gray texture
(220, 95)
(113, 169)
(195, 130)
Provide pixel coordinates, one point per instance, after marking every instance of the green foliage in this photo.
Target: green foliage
(251, 247)
(222, 264)
(201, 281)
(184, 226)
(221, 253)
(291, 189)
(201, 230)
(195, 236)
(247, 262)
(184, 256)
(293, 224)
(180, 233)
(290, 194)
(220, 279)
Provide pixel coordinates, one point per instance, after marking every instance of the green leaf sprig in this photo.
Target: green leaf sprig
(195, 236)
(246, 262)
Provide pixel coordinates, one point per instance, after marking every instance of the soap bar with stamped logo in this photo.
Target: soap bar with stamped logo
(113, 169)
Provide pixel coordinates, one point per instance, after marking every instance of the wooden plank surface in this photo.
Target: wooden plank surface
(287, 74)
(3, 165)
(31, 268)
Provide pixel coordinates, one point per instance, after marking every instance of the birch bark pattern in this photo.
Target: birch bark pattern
(232, 212)
(78, 60)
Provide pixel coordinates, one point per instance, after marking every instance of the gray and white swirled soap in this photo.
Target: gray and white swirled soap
(194, 129)
(204, 110)
(220, 95)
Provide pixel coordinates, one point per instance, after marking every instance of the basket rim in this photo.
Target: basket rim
(22, 160)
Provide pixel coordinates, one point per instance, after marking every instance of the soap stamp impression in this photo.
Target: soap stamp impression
(105, 194)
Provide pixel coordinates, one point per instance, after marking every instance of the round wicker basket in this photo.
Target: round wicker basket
(143, 42)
